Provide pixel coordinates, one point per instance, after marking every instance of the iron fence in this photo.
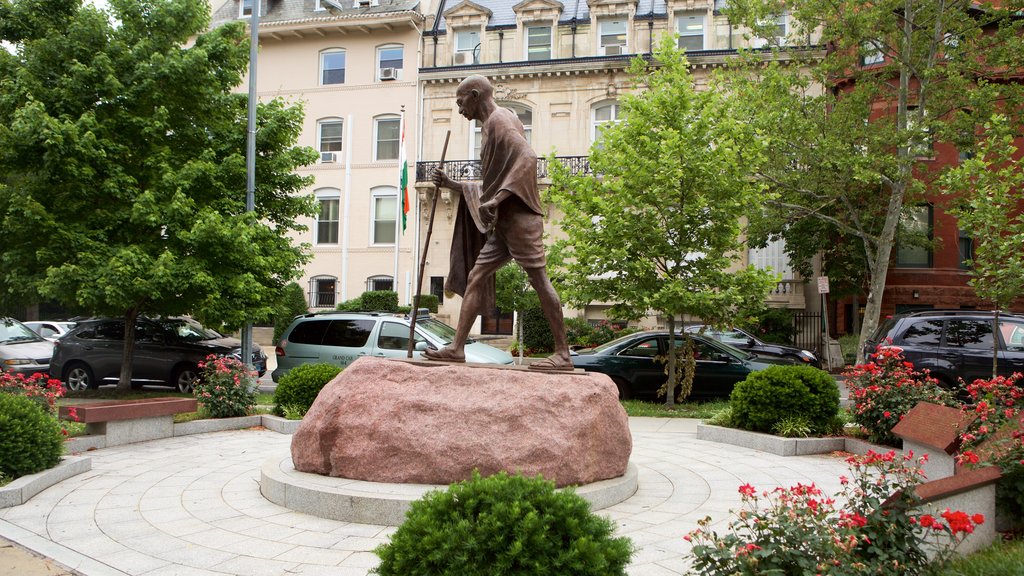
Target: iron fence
(470, 169)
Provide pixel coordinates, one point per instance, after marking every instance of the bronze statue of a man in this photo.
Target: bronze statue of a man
(507, 206)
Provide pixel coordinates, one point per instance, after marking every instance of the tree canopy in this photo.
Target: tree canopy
(657, 224)
(122, 165)
(853, 120)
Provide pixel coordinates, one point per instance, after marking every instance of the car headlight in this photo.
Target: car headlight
(807, 356)
(17, 361)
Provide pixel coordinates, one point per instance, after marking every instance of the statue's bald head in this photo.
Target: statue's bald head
(480, 84)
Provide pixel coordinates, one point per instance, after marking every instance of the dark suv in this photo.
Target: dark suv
(167, 351)
(954, 344)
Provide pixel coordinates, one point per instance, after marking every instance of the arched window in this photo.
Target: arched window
(323, 291)
(384, 215)
(332, 66)
(602, 114)
(525, 114)
(377, 283)
(329, 217)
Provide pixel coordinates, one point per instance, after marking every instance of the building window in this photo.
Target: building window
(323, 292)
(387, 135)
(772, 257)
(329, 218)
(871, 54)
(245, 9)
(525, 115)
(332, 67)
(379, 283)
(330, 139)
(775, 28)
(691, 32)
(721, 5)
(603, 114)
(912, 250)
(966, 245)
(385, 214)
(612, 37)
(437, 288)
(920, 134)
(389, 62)
(467, 44)
(538, 43)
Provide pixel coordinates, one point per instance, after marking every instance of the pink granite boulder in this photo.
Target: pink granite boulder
(399, 422)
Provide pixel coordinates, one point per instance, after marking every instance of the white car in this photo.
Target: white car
(50, 329)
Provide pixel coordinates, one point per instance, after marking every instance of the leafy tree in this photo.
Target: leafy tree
(514, 294)
(657, 225)
(122, 152)
(848, 124)
(988, 188)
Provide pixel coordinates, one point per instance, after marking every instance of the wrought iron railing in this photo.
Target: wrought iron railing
(470, 169)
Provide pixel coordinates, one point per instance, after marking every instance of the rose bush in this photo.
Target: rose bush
(868, 528)
(885, 389)
(995, 438)
(40, 388)
(226, 387)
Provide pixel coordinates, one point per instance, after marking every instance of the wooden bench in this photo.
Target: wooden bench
(128, 421)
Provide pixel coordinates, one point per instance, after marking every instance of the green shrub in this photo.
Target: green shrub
(353, 305)
(536, 331)
(430, 302)
(380, 301)
(299, 388)
(30, 438)
(503, 525)
(579, 332)
(779, 392)
(293, 303)
(771, 325)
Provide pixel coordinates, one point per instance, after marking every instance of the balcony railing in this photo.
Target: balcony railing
(470, 169)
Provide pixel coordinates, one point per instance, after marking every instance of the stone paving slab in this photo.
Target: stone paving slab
(191, 506)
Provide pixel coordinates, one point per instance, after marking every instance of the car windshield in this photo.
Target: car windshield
(188, 330)
(612, 343)
(12, 332)
(438, 329)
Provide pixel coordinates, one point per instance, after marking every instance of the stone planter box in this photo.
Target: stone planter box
(280, 425)
(21, 490)
(784, 446)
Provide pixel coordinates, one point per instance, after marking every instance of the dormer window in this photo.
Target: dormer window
(538, 43)
(612, 37)
(691, 31)
(467, 43)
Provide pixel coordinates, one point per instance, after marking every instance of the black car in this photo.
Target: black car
(746, 341)
(954, 344)
(167, 352)
(636, 364)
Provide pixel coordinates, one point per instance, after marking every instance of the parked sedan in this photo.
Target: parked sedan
(636, 364)
(22, 351)
(744, 340)
(167, 352)
(50, 329)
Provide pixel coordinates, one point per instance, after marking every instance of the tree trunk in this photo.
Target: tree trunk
(670, 394)
(124, 383)
(880, 268)
(519, 324)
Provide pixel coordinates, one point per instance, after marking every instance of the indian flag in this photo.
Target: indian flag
(403, 179)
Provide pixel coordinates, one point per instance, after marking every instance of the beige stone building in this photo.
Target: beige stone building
(561, 66)
(353, 66)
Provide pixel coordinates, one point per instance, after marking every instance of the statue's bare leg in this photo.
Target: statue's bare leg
(470, 309)
(552, 309)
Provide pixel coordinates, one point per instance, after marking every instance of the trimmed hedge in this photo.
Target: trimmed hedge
(293, 303)
(30, 437)
(537, 335)
(380, 301)
(299, 388)
(772, 395)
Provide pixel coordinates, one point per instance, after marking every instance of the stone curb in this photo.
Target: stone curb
(785, 446)
(280, 425)
(21, 490)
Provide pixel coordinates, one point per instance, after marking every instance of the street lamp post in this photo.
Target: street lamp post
(250, 153)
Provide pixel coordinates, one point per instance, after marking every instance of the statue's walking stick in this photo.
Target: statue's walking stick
(423, 256)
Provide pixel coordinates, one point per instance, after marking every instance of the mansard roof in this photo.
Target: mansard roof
(503, 13)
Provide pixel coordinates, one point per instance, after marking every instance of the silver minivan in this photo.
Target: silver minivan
(340, 337)
(22, 351)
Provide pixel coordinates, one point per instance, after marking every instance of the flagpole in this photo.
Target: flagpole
(399, 197)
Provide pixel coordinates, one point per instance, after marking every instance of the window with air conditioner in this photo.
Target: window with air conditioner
(467, 43)
(331, 137)
(328, 220)
(538, 43)
(390, 60)
(384, 217)
(690, 28)
(332, 67)
(612, 37)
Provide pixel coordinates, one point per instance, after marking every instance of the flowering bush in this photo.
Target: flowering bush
(995, 438)
(39, 387)
(868, 528)
(226, 388)
(884, 390)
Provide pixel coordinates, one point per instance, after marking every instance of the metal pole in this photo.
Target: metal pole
(399, 198)
(423, 256)
(250, 154)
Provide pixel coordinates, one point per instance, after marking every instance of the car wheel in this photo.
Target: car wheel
(78, 376)
(625, 389)
(184, 377)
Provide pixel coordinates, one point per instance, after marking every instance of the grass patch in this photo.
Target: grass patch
(265, 398)
(682, 410)
(73, 428)
(1000, 558)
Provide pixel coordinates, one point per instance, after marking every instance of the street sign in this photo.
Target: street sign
(822, 284)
